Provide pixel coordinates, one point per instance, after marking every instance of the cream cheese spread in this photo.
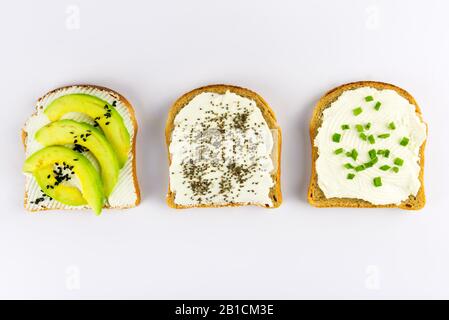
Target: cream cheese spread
(124, 194)
(221, 152)
(367, 119)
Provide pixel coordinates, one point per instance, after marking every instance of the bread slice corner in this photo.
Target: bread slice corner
(315, 195)
(270, 118)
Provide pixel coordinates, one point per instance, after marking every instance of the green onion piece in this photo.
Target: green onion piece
(336, 137)
(369, 98)
(404, 141)
(338, 151)
(377, 182)
(392, 126)
(399, 162)
(386, 153)
(371, 139)
(357, 111)
(385, 167)
(350, 176)
(349, 166)
(359, 127)
(395, 169)
(368, 126)
(371, 163)
(363, 136)
(353, 154)
(380, 151)
(377, 106)
(372, 154)
(368, 164)
(360, 168)
(345, 127)
(383, 135)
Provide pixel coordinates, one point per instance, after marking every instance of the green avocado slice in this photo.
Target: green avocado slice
(82, 134)
(89, 178)
(46, 180)
(105, 115)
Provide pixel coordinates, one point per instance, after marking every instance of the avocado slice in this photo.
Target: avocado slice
(103, 114)
(82, 134)
(89, 178)
(47, 181)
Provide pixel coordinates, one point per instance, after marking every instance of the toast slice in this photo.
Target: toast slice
(274, 192)
(126, 192)
(316, 196)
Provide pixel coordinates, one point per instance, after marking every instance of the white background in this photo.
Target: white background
(290, 52)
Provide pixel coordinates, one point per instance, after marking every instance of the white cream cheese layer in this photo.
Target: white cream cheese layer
(221, 152)
(124, 194)
(332, 174)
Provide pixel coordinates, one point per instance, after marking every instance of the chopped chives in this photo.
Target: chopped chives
(368, 164)
(386, 153)
(371, 139)
(377, 182)
(336, 137)
(383, 135)
(338, 151)
(369, 98)
(350, 176)
(371, 163)
(377, 106)
(368, 126)
(359, 168)
(349, 166)
(353, 154)
(357, 111)
(385, 167)
(363, 136)
(404, 141)
(399, 162)
(359, 127)
(372, 154)
(392, 126)
(395, 169)
(345, 127)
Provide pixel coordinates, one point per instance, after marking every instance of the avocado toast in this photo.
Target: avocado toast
(80, 151)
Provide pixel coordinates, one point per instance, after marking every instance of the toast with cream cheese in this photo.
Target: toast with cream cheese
(224, 149)
(64, 121)
(368, 140)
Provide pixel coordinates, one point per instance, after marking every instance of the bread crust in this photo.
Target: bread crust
(315, 195)
(133, 147)
(270, 118)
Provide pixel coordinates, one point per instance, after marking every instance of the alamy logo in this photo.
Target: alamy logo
(372, 280)
(372, 21)
(213, 145)
(73, 21)
(73, 278)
